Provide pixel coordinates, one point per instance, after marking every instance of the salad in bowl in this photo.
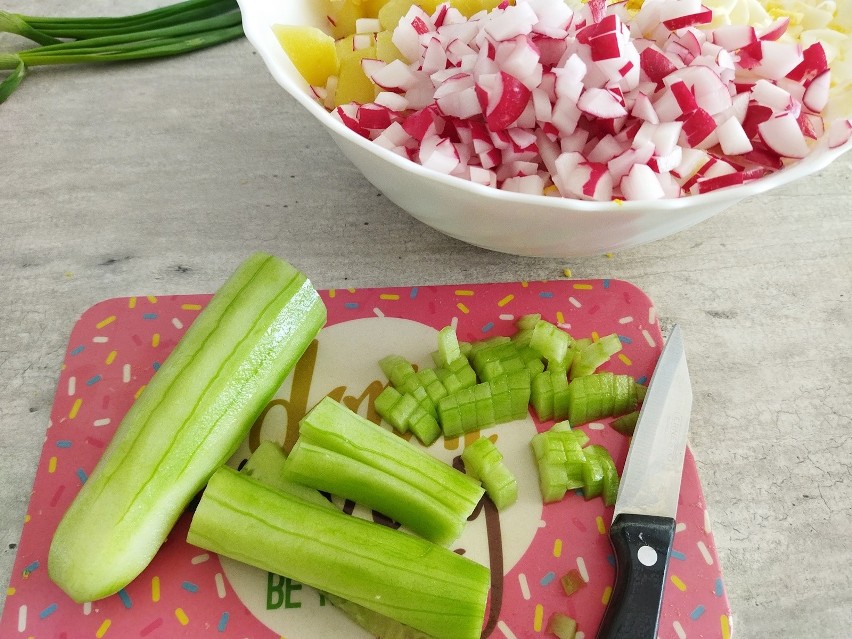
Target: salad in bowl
(541, 127)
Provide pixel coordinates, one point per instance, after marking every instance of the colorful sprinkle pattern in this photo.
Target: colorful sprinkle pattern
(118, 344)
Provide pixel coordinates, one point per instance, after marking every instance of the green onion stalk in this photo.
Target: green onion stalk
(167, 31)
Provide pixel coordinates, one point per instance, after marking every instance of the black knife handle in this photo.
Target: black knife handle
(642, 545)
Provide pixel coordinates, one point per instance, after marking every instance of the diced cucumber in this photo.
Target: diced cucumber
(477, 407)
(572, 581)
(551, 342)
(402, 576)
(626, 424)
(565, 462)
(448, 346)
(601, 395)
(377, 469)
(456, 375)
(425, 428)
(561, 625)
(527, 322)
(593, 477)
(397, 369)
(606, 471)
(190, 419)
(549, 395)
(483, 461)
(590, 356)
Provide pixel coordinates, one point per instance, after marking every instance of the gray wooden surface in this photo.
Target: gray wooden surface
(158, 178)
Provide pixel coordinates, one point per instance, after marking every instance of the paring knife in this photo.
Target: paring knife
(643, 524)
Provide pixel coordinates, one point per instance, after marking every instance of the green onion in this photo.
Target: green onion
(82, 28)
(19, 70)
(168, 31)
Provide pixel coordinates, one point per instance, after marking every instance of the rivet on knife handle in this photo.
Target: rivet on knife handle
(642, 545)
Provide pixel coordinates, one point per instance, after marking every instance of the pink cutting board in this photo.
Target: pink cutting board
(117, 345)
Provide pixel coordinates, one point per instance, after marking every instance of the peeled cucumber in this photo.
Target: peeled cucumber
(189, 420)
(396, 574)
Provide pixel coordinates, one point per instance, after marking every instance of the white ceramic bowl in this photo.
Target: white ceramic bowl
(498, 220)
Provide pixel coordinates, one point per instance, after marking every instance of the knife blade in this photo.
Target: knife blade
(643, 524)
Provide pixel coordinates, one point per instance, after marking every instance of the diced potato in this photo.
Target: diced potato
(342, 15)
(353, 85)
(391, 13)
(372, 7)
(312, 52)
(468, 7)
(489, 5)
(385, 48)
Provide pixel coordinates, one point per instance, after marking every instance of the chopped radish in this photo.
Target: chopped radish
(395, 75)
(406, 36)
(641, 184)
(529, 184)
(514, 20)
(439, 154)
(678, 14)
(770, 95)
(782, 134)
(778, 59)
(505, 102)
(605, 149)
(644, 110)
(395, 135)
(351, 121)
(656, 64)
(697, 127)
(621, 165)
(763, 156)
(813, 63)
(839, 133)
(479, 175)
(418, 124)
(732, 137)
(707, 184)
(734, 36)
(391, 100)
(601, 103)
(816, 93)
(776, 29)
(520, 58)
(554, 18)
(373, 116)
(708, 90)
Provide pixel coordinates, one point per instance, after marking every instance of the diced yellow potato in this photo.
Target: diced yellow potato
(429, 6)
(342, 15)
(489, 5)
(372, 7)
(386, 50)
(468, 7)
(391, 13)
(353, 85)
(312, 52)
